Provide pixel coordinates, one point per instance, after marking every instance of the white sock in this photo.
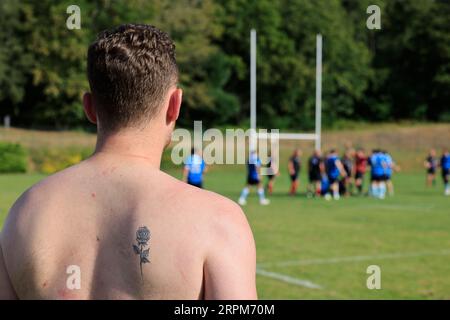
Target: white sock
(375, 191)
(382, 190)
(244, 193)
(261, 194)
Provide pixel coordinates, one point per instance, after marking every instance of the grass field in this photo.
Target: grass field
(313, 249)
(331, 244)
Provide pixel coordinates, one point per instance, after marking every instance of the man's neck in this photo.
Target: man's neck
(139, 144)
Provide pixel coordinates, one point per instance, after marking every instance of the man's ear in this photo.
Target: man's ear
(89, 109)
(173, 111)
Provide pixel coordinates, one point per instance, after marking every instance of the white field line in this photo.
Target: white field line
(354, 259)
(288, 279)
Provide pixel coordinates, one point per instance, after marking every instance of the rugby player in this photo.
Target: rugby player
(378, 177)
(360, 169)
(431, 164)
(390, 167)
(445, 167)
(194, 168)
(294, 166)
(315, 168)
(347, 163)
(334, 170)
(253, 179)
(273, 173)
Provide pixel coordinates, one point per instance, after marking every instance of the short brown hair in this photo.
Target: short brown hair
(130, 68)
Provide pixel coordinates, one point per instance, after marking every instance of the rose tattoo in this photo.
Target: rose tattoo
(142, 238)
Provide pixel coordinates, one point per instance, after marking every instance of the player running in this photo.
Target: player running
(334, 170)
(378, 185)
(360, 169)
(431, 164)
(294, 166)
(445, 166)
(253, 179)
(194, 168)
(315, 168)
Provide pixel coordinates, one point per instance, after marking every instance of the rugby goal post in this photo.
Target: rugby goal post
(318, 116)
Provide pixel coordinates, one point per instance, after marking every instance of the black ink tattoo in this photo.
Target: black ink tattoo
(142, 238)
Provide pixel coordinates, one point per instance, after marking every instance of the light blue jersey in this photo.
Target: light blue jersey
(389, 164)
(195, 166)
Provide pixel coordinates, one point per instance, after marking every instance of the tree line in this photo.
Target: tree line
(401, 71)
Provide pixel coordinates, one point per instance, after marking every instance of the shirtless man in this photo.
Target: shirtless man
(133, 231)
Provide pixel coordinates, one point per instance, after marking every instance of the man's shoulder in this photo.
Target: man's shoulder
(224, 217)
(206, 205)
(38, 199)
(203, 200)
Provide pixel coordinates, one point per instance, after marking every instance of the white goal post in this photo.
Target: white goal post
(318, 117)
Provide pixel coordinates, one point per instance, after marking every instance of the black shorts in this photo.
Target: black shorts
(294, 177)
(196, 184)
(445, 175)
(333, 180)
(359, 175)
(252, 181)
(271, 177)
(314, 176)
(378, 177)
(431, 171)
(348, 172)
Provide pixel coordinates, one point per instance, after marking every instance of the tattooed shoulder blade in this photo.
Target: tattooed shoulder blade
(142, 239)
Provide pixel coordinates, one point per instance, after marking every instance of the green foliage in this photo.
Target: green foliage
(399, 72)
(13, 158)
(13, 60)
(51, 160)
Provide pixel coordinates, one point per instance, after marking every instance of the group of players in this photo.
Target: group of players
(432, 165)
(330, 176)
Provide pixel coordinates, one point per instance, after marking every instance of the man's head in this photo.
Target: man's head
(349, 153)
(360, 152)
(433, 152)
(133, 74)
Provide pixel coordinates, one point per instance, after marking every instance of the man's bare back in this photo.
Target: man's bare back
(88, 216)
(128, 230)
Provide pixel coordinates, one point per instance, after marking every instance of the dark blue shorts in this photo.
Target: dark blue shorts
(314, 176)
(359, 175)
(196, 184)
(378, 177)
(332, 179)
(445, 175)
(252, 181)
